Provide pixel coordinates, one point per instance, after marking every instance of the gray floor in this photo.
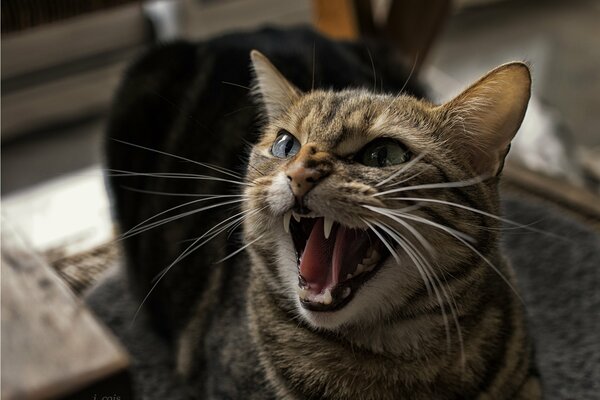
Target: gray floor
(560, 38)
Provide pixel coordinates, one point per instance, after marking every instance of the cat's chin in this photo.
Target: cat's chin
(329, 320)
(355, 310)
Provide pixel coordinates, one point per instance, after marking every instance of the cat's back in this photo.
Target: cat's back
(191, 101)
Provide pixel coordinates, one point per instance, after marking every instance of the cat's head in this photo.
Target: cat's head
(358, 202)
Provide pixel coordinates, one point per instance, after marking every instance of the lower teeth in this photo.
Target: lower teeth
(323, 298)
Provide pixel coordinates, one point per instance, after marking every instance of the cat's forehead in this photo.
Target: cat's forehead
(343, 121)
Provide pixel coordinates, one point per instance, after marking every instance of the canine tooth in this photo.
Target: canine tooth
(296, 217)
(349, 276)
(301, 292)
(359, 269)
(372, 258)
(327, 299)
(328, 224)
(286, 221)
(369, 263)
(346, 292)
(375, 255)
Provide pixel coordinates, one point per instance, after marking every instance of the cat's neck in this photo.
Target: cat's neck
(303, 362)
(422, 350)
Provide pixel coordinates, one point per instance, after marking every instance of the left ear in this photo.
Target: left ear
(277, 93)
(485, 117)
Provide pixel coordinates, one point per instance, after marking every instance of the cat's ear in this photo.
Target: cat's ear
(487, 115)
(276, 92)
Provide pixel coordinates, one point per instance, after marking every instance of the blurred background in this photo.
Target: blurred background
(62, 60)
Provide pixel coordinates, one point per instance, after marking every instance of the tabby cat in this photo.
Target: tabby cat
(369, 265)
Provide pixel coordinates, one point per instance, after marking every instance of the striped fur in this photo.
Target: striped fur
(395, 339)
(237, 327)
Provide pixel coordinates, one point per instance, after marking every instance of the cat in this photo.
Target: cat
(369, 264)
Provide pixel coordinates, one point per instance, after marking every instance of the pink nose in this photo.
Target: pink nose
(302, 179)
(306, 169)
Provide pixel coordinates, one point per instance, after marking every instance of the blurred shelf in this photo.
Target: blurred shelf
(59, 73)
(52, 346)
(52, 103)
(63, 42)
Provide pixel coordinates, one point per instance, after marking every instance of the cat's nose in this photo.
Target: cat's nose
(306, 170)
(302, 179)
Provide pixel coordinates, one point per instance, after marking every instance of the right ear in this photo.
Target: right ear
(277, 93)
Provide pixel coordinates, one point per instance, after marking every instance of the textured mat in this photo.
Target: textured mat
(559, 279)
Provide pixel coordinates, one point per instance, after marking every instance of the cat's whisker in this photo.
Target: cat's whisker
(413, 176)
(240, 249)
(261, 173)
(424, 276)
(216, 168)
(430, 272)
(236, 85)
(511, 229)
(140, 229)
(454, 234)
(412, 71)
(234, 224)
(373, 68)
(189, 250)
(204, 198)
(383, 211)
(420, 263)
(174, 194)
(440, 185)
(475, 210)
(314, 59)
(406, 167)
(122, 173)
(194, 246)
(237, 224)
(460, 234)
(238, 110)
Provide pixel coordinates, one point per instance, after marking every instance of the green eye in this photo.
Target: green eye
(383, 153)
(286, 145)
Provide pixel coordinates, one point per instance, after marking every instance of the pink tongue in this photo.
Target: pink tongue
(326, 262)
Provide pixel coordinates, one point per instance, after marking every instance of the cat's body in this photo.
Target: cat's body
(245, 327)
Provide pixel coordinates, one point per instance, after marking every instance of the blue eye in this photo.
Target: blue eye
(286, 145)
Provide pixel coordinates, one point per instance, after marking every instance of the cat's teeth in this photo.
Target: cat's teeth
(375, 256)
(346, 292)
(327, 299)
(359, 269)
(286, 221)
(371, 257)
(302, 292)
(349, 276)
(327, 227)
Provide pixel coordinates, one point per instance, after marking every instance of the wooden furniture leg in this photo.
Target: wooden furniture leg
(411, 25)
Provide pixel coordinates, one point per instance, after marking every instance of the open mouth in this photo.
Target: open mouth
(333, 260)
